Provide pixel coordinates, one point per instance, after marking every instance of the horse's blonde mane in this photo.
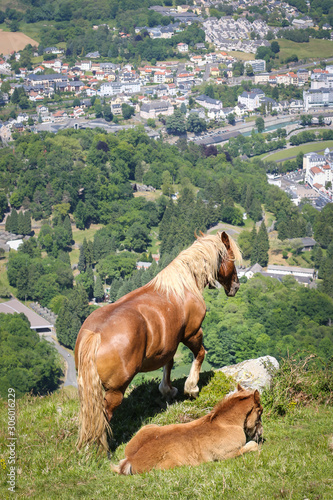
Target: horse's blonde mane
(195, 267)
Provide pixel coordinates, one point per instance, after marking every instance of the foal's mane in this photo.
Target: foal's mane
(229, 402)
(195, 267)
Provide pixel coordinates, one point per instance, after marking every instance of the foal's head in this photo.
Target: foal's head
(227, 274)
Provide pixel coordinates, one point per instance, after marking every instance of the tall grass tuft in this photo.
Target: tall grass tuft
(299, 381)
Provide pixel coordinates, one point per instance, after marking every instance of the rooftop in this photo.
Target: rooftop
(15, 306)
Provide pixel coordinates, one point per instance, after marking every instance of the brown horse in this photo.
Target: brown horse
(141, 332)
(219, 435)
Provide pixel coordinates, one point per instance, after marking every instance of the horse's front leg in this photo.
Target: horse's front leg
(195, 344)
(165, 386)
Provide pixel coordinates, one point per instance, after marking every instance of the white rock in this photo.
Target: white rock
(253, 373)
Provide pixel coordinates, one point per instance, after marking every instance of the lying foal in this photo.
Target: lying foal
(219, 435)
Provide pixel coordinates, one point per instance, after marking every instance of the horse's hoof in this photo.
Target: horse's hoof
(193, 393)
(167, 392)
(173, 392)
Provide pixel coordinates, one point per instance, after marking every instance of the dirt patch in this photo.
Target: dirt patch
(12, 42)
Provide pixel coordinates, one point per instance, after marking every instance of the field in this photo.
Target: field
(10, 42)
(294, 462)
(304, 148)
(243, 56)
(315, 48)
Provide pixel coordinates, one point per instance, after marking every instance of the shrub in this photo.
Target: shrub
(299, 381)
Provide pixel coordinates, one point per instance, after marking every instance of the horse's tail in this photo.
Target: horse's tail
(124, 467)
(93, 423)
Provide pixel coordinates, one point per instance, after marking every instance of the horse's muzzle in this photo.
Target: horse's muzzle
(233, 290)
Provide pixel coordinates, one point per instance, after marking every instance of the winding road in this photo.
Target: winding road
(69, 361)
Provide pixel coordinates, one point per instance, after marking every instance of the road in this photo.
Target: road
(69, 360)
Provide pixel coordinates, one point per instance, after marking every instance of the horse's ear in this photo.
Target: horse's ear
(239, 388)
(225, 240)
(256, 396)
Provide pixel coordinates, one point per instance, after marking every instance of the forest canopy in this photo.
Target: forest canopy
(27, 363)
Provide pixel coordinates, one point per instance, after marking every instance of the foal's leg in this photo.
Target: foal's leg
(195, 344)
(250, 446)
(165, 386)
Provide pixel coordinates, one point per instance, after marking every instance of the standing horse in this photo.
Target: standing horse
(141, 332)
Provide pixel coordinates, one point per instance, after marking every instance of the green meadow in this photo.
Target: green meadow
(294, 462)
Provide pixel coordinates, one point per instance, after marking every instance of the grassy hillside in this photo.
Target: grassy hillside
(293, 152)
(294, 462)
(313, 49)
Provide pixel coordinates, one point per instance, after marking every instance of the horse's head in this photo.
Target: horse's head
(227, 274)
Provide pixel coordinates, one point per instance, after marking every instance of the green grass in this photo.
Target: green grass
(155, 242)
(315, 49)
(295, 461)
(33, 29)
(80, 234)
(293, 151)
(178, 371)
(243, 56)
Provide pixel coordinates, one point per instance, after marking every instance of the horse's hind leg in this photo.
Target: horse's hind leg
(165, 386)
(195, 344)
(112, 399)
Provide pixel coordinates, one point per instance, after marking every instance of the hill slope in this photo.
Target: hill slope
(294, 462)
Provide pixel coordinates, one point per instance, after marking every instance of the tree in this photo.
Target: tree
(3, 205)
(98, 289)
(254, 251)
(231, 118)
(27, 362)
(195, 124)
(262, 243)
(82, 258)
(27, 223)
(86, 280)
(260, 124)
(15, 96)
(127, 111)
(73, 312)
(12, 222)
(275, 47)
(175, 124)
(306, 120)
(21, 223)
(98, 110)
(167, 183)
(108, 115)
(151, 122)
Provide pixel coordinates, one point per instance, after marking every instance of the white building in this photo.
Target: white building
(85, 65)
(182, 47)
(318, 98)
(155, 108)
(257, 65)
(159, 77)
(312, 160)
(251, 99)
(113, 88)
(209, 103)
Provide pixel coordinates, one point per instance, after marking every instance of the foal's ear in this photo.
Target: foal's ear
(240, 388)
(225, 240)
(256, 396)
